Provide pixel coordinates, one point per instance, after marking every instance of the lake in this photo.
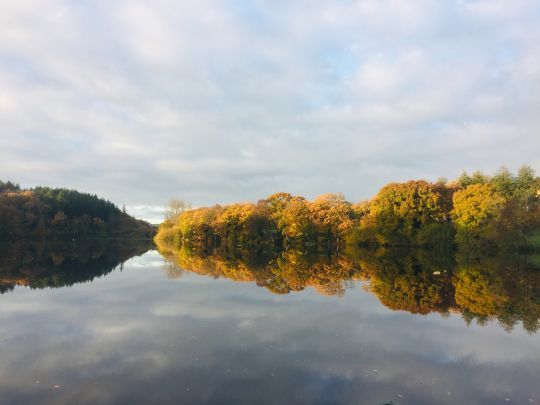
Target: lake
(84, 325)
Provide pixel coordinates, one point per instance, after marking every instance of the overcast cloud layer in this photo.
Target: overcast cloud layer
(219, 101)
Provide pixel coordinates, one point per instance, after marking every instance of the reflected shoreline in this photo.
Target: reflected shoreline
(57, 264)
(477, 287)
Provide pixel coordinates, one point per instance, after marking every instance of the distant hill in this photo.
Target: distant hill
(58, 213)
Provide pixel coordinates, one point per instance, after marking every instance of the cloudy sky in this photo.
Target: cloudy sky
(215, 101)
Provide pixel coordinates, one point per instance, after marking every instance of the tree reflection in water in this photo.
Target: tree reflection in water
(61, 264)
(502, 287)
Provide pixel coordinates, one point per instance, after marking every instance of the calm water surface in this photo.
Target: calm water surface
(148, 332)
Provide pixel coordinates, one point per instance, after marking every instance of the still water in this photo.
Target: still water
(97, 327)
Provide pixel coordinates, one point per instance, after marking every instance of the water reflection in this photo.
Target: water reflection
(504, 287)
(59, 264)
(136, 336)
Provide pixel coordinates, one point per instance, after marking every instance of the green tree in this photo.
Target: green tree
(504, 182)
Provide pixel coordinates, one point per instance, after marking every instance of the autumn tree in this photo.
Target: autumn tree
(476, 209)
(295, 222)
(332, 216)
(400, 210)
(276, 203)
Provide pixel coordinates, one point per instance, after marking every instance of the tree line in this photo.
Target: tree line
(473, 210)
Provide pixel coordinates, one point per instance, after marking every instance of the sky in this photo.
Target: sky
(216, 101)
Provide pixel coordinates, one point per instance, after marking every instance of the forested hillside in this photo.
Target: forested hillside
(473, 210)
(57, 213)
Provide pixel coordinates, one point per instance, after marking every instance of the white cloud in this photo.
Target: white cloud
(222, 101)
